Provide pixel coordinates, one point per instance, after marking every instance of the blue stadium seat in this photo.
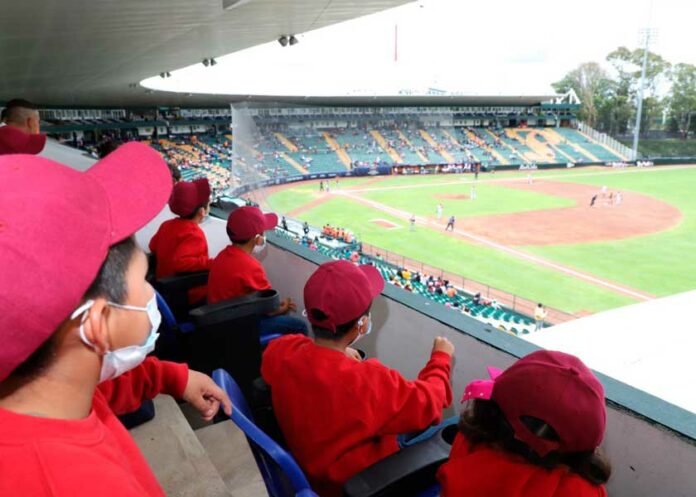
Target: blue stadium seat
(281, 474)
(411, 468)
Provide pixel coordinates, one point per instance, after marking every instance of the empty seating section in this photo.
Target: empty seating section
(361, 146)
(576, 137)
(313, 152)
(296, 150)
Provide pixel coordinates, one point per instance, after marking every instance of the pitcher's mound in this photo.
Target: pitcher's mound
(385, 224)
(452, 196)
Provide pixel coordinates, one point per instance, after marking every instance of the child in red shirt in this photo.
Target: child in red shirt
(531, 431)
(235, 272)
(76, 323)
(339, 414)
(180, 245)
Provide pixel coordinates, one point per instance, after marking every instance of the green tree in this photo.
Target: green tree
(592, 86)
(682, 98)
(628, 64)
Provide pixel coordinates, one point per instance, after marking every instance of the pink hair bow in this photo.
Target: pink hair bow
(482, 389)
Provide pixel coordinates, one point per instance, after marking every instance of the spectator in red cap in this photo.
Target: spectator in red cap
(236, 272)
(21, 133)
(180, 245)
(339, 414)
(533, 430)
(76, 323)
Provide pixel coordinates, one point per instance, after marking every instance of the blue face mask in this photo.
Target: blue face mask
(117, 362)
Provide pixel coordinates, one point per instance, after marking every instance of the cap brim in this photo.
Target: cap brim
(35, 144)
(203, 189)
(270, 220)
(374, 278)
(137, 184)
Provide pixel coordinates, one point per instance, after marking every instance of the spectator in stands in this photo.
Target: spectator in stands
(339, 414)
(539, 315)
(235, 272)
(477, 299)
(305, 228)
(451, 292)
(533, 430)
(76, 323)
(284, 224)
(21, 133)
(179, 245)
(354, 257)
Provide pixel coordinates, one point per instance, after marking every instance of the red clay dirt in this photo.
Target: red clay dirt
(637, 215)
(384, 224)
(451, 196)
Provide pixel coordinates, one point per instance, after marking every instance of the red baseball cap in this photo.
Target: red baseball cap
(244, 223)
(187, 195)
(56, 226)
(342, 291)
(559, 389)
(15, 141)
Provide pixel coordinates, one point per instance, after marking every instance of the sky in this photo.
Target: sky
(492, 47)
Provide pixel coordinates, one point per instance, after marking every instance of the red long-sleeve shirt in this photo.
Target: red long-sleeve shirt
(234, 273)
(340, 416)
(181, 247)
(42, 457)
(484, 471)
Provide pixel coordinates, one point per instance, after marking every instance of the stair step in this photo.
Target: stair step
(176, 455)
(229, 452)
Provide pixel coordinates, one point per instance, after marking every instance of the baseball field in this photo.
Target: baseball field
(534, 235)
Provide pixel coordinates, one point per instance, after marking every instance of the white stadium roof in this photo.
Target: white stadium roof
(89, 53)
(650, 346)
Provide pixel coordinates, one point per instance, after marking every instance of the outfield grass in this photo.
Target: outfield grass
(659, 264)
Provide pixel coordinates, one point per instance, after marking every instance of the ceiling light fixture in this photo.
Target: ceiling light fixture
(206, 62)
(283, 40)
(293, 40)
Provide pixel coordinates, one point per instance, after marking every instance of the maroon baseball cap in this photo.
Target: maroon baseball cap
(187, 195)
(15, 141)
(56, 227)
(559, 389)
(342, 291)
(244, 223)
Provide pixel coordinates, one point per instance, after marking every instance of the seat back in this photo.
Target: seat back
(175, 289)
(172, 344)
(227, 336)
(281, 473)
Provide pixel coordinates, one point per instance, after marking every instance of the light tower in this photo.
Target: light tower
(647, 36)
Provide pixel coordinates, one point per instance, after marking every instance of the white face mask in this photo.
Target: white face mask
(369, 330)
(117, 362)
(259, 248)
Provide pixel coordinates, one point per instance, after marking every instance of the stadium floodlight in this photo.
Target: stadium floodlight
(206, 62)
(283, 40)
(293, 40)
